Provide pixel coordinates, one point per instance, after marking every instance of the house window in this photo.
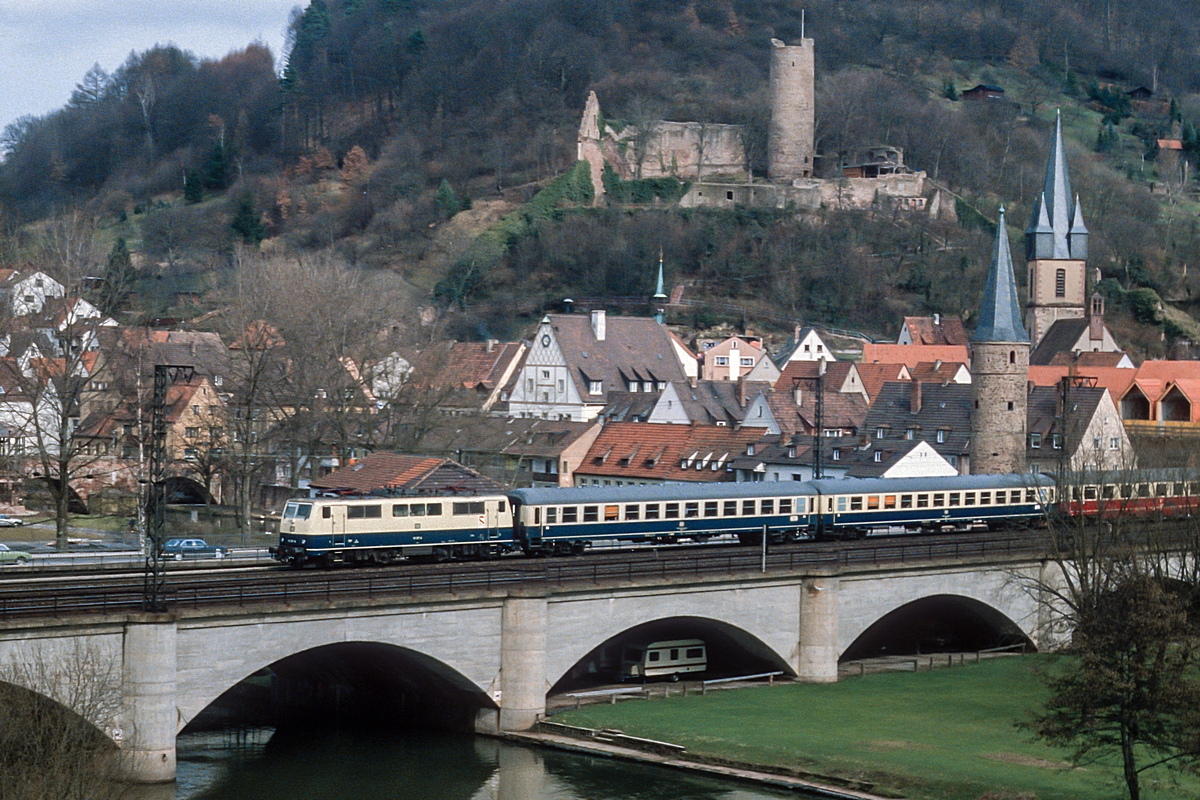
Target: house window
(1035, 441)
(647, 386)
(722, 361)
(1056, 441)
(879, 432)
(546, 374)
(1060, 283)
(910, 433)
(191, 433)
(1114, 443)
(195, 409)
(941, 437)
(561, 385)
(747, 362)
(1010, 405)
(791, 452)
(596, 387)
(878, 456)
(189, 453)
(529, 385)
(837, 455)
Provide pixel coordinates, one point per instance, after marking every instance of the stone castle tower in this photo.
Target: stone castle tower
(999, 370)
(790, 138)
(1056, 249)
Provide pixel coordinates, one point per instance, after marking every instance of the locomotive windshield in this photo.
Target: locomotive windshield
(294, 510)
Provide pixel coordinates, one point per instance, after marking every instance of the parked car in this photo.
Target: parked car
(9, 521)
(180, 549)
(19, 557)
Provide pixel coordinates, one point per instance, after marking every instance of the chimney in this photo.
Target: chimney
(491, 345)
(598, 324)
(797, 394)
(937, 365)
(741, 391)
(192, 347)
(915, 403)
(568, 305)
(796, 335)
(937, 319)
(1096, 319)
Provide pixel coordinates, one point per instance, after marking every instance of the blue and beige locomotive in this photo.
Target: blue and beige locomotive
(327, 531)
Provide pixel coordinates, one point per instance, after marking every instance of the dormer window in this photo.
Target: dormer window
(878, 456)
(909, 434)
(1035, 441)
(941, 437)
(38, 283)
(596, 387)
(880, 433)
(633, 387)
(647, 386)
(791, 452)
(749, 449)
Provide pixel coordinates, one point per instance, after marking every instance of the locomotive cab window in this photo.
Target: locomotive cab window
(297, 510)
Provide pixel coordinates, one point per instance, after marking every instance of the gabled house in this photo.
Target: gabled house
(805, 345)
(903, 459)
(1077, 336)
(576, 361)
(1084, 434)
(730, 359)
(26, 293)
(912, 354)
(780, 458)
(941, 372)
(458, 377)
(839, 376)
(907, 412)
(794, 412)
(638, 453)
(718, 403)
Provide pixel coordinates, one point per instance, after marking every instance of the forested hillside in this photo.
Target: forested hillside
(386, 117)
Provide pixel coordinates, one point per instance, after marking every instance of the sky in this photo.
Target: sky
(47, 45)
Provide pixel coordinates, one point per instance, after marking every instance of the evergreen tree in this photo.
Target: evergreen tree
(193, 187)
(216, 171)
(447, 200)
(118, 279)
(246, 222)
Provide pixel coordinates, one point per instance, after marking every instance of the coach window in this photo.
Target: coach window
(1109, 492)
(1089, 493)
(633, 511)
(1179, 491)
(591, 513)
(612, 513)
(785, 505)
(1030, 496)
(939, 501)
(551, 516)
(873, 502)
(922, 501)
(570, 514)
(691, 510)
(969, 499)
(652, 511)
(747, 508)
(768, 506)
(841, 504)
(906, 501)
(710, 508)
(731, 508)
(672, 511)
(1127, 491)
(889, 501)
(954, 499)
(1191, 488)
(856, 503)
(400, 510)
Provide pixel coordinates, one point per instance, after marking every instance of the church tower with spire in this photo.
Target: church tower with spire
(1056, 248)
(999, 370)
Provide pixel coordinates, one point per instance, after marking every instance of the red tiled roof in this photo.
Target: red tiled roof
(874, 376)
(924, 331)
(1087, 358)
(936, 372)
(405, 473)
(646, 451)
(835, 374)
(912, 354)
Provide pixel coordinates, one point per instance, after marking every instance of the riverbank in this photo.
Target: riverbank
(948, 734)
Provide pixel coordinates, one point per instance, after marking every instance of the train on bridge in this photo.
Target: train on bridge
(328, 531)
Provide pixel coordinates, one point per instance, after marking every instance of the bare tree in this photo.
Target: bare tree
(52, 718)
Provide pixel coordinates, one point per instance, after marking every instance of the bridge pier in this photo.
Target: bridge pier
(147, 722)
(522, 662)
(818, 662)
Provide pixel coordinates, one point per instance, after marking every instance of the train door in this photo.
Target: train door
(492, 511)
(337, 525)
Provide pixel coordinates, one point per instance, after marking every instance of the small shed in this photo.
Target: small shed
(984, 91)
(1140, 93)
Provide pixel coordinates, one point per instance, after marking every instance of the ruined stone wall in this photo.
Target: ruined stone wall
(674, 149)
(887, 191)
(790, 137)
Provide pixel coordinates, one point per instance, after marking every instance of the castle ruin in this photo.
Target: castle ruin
(712, 156)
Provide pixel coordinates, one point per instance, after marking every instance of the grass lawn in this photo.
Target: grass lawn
(949, 734)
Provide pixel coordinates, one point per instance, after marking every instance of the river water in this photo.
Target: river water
(421, 767)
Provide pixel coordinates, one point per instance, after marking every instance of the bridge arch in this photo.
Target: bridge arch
(182, 490)
(213, 659)
(731, 651)
(364, 683)
(936, 624)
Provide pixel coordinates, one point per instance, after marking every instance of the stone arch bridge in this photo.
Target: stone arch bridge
(495, 656)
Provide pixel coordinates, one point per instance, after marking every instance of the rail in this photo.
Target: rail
(186, 592)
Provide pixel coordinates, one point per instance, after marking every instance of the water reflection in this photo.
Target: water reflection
(429, 767)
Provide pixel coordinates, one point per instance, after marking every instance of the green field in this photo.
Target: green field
(950, 734)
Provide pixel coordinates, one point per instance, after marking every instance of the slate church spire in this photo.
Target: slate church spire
(1055, 247)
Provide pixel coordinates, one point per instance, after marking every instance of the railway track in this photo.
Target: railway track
(212, 589)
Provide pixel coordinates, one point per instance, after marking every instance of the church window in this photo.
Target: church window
(1060, 283)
